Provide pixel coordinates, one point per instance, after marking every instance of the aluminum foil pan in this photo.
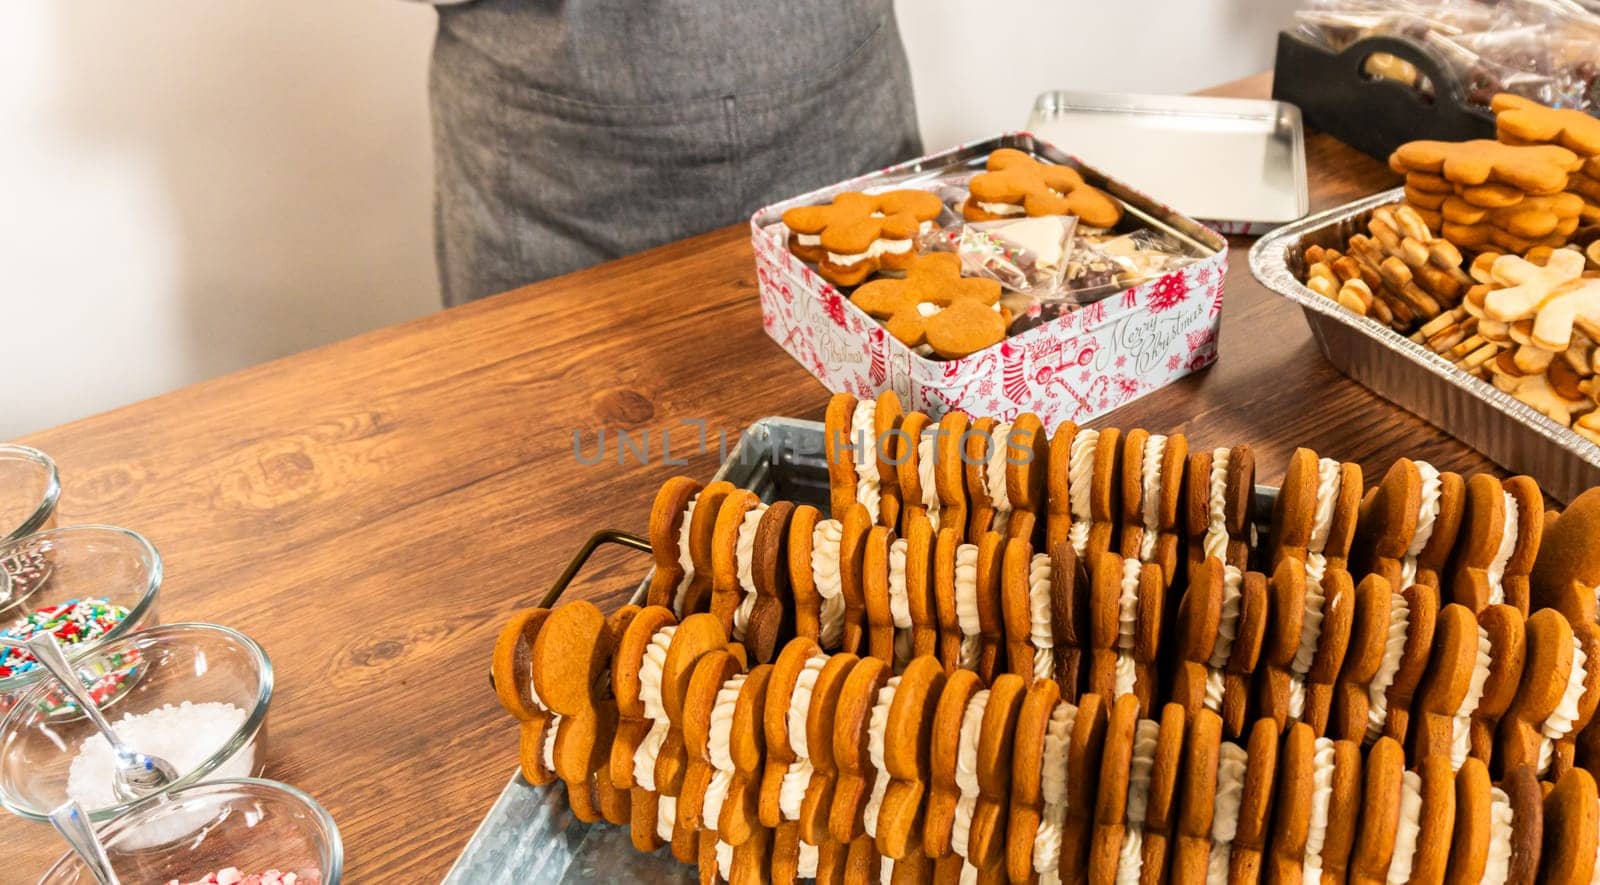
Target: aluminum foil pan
(1507, 430)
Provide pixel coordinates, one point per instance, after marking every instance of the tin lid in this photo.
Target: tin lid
(1236, 164)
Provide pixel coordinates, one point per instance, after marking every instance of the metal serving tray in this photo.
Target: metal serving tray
(1237, 164)
(1507, 430)
(530, 835)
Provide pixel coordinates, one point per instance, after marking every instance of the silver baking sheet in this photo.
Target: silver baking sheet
(1237, 164)
(530, 835)
(1508, 431)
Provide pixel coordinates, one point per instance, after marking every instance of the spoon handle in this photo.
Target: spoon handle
(73, 824)
(49, 654)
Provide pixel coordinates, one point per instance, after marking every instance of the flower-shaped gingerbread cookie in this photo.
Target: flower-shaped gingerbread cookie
(935, 305)
(1017, 184)
(859, 234)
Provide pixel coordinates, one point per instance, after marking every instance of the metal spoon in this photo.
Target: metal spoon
(72, 823)
(137, 774)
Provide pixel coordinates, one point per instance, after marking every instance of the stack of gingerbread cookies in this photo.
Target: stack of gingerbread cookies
(1012, 655)
(1483, 195)
(1520, 121)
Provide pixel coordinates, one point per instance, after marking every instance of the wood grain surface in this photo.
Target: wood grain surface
(373, 510)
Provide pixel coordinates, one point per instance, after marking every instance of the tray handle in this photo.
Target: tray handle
(596, 540)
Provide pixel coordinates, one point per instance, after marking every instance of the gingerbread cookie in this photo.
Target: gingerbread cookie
(853, 447)
(787, 771)
(1571, 825)
(705, 783)
(1084, 482)
(857, 234)
(1005, 466)
(1441, 711)
(1030, 815)
(1506, 630)
(854, 528)
(670, 519)
(1566, 574)
(903, 744)
(962, 689)
(1380, 814)
(1069, 618)
(1017, 184)
(915, 455)
(1317, 508)
(1408, 528)
(1126, 608)
(694, 595)
(740, 822)
(875, 594)
(1196, 806)
(817, 804)
(1529, 121)
(1221, 503)
(816, 582)
(1365, 655)
(1198, 631)
(987, 834)
(1539, 169)
(1548, 701)
(1389, 700)
(1152, 489)
(1499, 541)
(1123, 742)
(1295, 804)
(934, 305)
(868, 679)
(949, 474)
(991, 618)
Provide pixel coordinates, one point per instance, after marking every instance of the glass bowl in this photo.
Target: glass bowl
(198, 694)
(253, 825)
(57, 566)
(29, 490)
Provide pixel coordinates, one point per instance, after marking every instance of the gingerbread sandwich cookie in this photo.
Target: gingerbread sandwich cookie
(1160, 787)
(1196, 798)
(671, 516)
(1221, 504)
(1500, 539)
(851, 443)
(511, 670)
(817, 804)
(1152, 489)
(857, 775)
(1241, 638)
(1006, 463)
(1566, 573)
(1232, 766)
(986, 837)
(1015, 184)
(1548, 702)
(960, 781)
(767, 615)
(1197, 630)
(643, 724)
(1333, 595)
(900, 748)
(571, 662)
(991, 617)
(1084, 485)
(1441, 711)
(1118, 853)
(1571, 827)
(1425, 823)
(949, 470)
(1126, 606)
(1413, 615)
(858, 234)
(1027, 586)
(1047, 846)
(1252, 828)
(874, 582)
(915, 456)
(1084, 756)
(694, 594)
(1563, 749)
(705, 783)
(1069, 618)
(1364, 656)
(855, 526)
(1379, 814)
(732, 552)
(1308, 767)
(1411, 525)
(962, 690)
(787, 764)
(1030, 768)
(739, 823)
(1317, 508)
(1506, 629)
(816, 580)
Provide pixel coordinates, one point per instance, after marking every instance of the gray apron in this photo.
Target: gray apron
(569, 133)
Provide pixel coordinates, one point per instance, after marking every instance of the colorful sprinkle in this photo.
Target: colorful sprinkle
(72, 622)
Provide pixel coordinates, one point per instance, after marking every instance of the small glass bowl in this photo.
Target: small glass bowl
(77, 562)
(253, 825)
(198, 663)
(29, 490)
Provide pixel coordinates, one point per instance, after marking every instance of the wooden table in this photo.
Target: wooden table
(371, 511)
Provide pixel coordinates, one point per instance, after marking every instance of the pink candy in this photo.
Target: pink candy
(232, 876)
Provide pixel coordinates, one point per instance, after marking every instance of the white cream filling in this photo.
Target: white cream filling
(1310, 633)
(967, 770)
(1131, 858)
(1322, 767)
(1002, 208)
(1215, 542)
(966, 588)
(808, 239)
(721, 729)
(1231, 763)
(1508, 545)
(826, 539)
(1127, 626)
(1041, 634)
(806, 866)
(655, 658)
(878, 723)
(744, 559)
(1394, 647)
(995, 474)
(899, 599)
(1502, 822)
(927, 461)
(666, 816)
(1080, 487)
(1559, 723)
(797, 777)
(1461, 723)
(1594, 875)
(685, 561)
(864, 452)
(716, 793)
(1427, 515)
(550, 741)
(724, 860)
(1155, 449)
(1227, 631)
(792, 789)
(1053, 790)
(878, 248)
(1405, 836)
(1329, 481)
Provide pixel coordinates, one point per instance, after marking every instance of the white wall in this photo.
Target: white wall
(190, 187)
